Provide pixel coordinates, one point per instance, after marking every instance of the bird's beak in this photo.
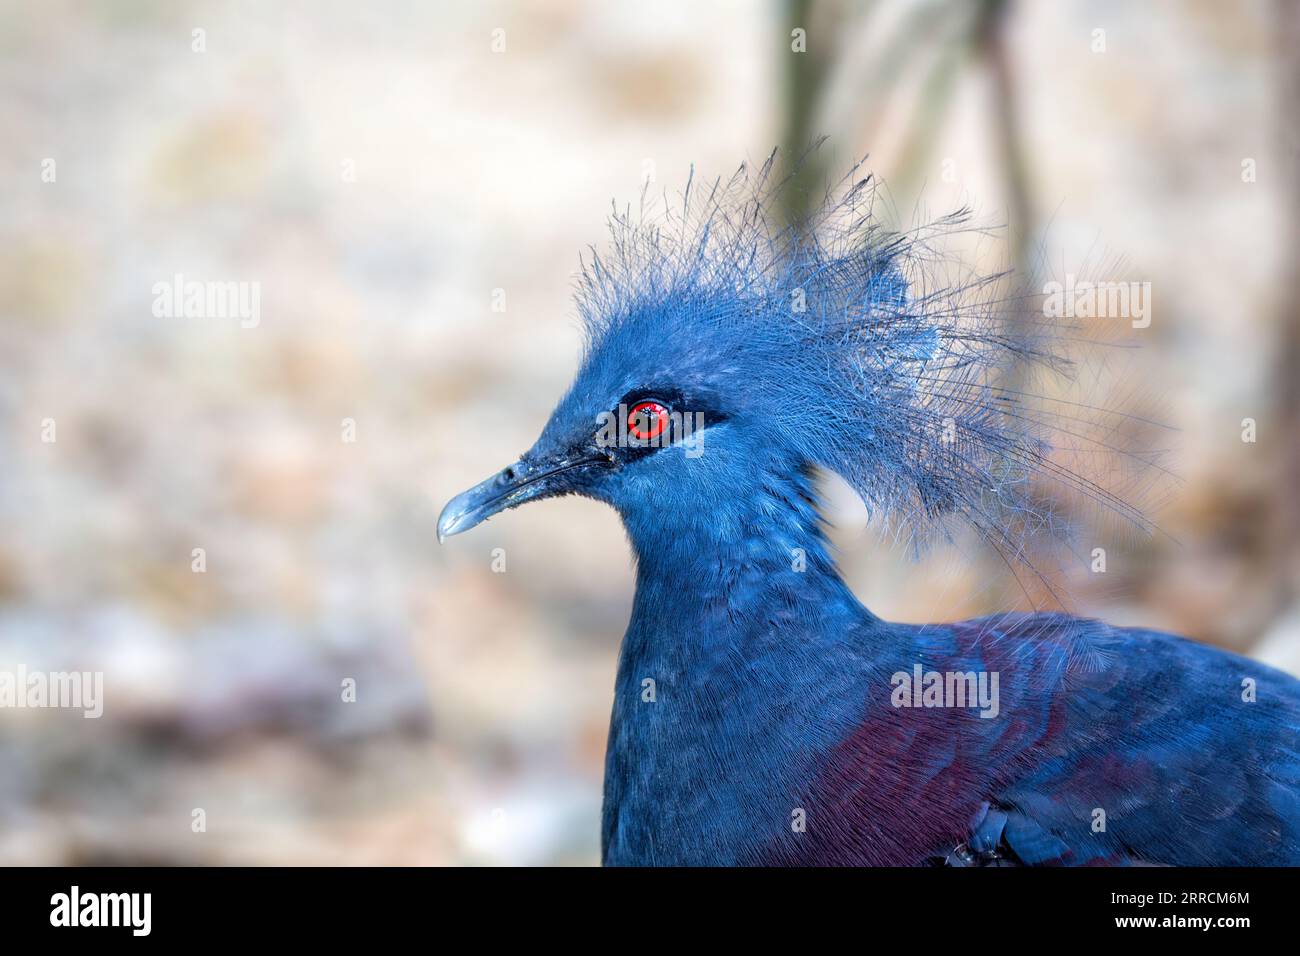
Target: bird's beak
(523, 481)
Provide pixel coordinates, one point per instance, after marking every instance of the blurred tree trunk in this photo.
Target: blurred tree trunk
(806, 74)
(1005, 587)
(996, 53)
(1287, 373)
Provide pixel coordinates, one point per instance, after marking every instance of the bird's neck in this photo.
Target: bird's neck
(744, 646)
(748, 562)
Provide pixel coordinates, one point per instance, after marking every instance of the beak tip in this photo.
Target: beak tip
(460, 514)
(447, 522)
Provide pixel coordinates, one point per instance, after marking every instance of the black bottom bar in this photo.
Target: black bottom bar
(333, 906)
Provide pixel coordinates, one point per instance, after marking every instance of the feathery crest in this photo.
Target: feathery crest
(866, 352)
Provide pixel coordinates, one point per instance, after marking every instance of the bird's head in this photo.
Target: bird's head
(662, 414)
(722, 348)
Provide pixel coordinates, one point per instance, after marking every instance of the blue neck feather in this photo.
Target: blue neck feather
(721, 744)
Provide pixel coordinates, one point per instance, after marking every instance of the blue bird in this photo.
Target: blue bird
(762, 715)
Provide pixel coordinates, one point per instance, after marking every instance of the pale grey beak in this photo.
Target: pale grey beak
(512, 486)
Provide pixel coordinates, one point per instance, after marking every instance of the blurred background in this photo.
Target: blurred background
(409, 185)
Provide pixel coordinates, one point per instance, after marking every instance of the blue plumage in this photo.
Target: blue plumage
(761, 714)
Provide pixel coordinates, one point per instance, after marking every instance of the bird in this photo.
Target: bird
(762, 715)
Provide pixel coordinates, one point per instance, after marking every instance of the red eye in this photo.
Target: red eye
(647, 420)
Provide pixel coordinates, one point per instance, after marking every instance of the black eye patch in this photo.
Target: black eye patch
(651, 418)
